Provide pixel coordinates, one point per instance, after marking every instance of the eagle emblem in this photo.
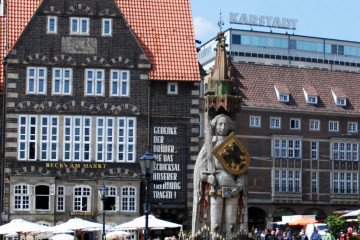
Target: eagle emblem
(233, 155)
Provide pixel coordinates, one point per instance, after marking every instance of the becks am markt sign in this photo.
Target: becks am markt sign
(263, 21)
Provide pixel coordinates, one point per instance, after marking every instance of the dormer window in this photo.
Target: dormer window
(339, 96)
(311, 96)
(79, 26)
(282, 93)
(341, 102)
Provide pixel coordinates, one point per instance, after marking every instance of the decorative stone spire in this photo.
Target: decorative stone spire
(220, 97)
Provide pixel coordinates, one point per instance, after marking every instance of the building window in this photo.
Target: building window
(341, 102)
(287, 181)
(314, 125)
(36, 80)
(255, 121)
(312, 100)
(60, 199)
(128, 196)
(42, 197)
(345, 183)
(94, 82)
(79, 26)
(62, 81)
(106, 27)
(21, 197)
(49, 138)
(126, 139)
(284, 98)
(82, 199)
(27, 138)
(295, 124)
(333, 126)
(105, 138)
(345, 151)
(112, 200)
(172, 88)
(120, 81)
(77, 138)
(286, 148)
(275, 122)
(314, 182)
(314, 150)
(352, 127)
(52, 23)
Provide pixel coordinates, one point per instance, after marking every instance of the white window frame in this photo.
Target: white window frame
(345, 183)
(49, 138)
(48, 29)
(284, 97)
(285, 147)
(275, 122)
(77, 138)
(171, 91)
(60, 199)
(344, 150)
(103, 22)
(287, 181)
(62, 79)
(21, 197)
(92, 83)
(255, 121)
(297, 124)
(128, 199)
(314, 125)
(80, 194)
(39, 82)
(27, 137)
(333, 126)
(79, 26)
(41, 195)
(314, 150)
(119, 79)
(126, 142)
(105, 139)
(113, 193)
(314, 182)
(341, 102)
(352, 127)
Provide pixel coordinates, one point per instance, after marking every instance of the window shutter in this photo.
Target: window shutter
(31, 190)
(117, 202)
(52, 189)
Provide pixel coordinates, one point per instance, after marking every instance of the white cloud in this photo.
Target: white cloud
(204, 30)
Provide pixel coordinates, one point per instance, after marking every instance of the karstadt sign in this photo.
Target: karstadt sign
(263, 21)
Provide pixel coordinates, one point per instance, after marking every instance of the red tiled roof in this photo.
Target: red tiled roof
(164, 29)
(256, 85)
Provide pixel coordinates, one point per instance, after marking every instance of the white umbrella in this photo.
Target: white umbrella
(352, 213)
(76, 224)
(115, 235)
(62, 237)
(153, 223)
(22, 226)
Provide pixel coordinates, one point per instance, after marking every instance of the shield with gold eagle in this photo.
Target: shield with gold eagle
(232, 155)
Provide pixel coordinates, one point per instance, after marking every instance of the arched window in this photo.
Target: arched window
(82, 199)
(42, 197)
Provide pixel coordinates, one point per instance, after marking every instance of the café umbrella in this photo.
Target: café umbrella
(139, 223)
(23, 227)
(76, 224)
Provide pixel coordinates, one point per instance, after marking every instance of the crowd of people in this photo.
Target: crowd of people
(288, 234)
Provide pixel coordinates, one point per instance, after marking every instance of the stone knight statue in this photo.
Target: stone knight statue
(220, 180)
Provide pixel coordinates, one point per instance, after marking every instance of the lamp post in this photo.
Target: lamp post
(103, 190)
(147, 168)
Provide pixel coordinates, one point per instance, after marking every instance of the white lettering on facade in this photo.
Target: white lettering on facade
(263, 21)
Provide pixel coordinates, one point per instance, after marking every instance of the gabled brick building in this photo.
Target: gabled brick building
(89, 87)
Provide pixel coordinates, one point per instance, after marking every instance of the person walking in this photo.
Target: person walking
(315, 235)
(328, 235)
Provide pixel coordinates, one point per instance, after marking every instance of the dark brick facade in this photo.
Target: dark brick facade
(36, 48)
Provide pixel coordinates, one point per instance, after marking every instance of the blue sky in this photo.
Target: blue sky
(337, 19)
